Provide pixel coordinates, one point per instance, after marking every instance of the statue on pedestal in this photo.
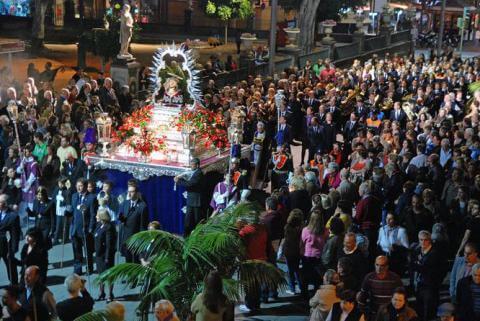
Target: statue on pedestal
(126, 31)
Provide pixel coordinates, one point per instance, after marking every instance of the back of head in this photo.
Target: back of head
(213, 296)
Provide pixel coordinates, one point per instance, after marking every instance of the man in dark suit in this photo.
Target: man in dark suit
(311, 101)
(314, 137)
(9, 224)
(361, 110)
(134, 217)
(350, 128)
(73, 168)
(84, 209)
(284, 133)
(398, 114)
(192, 181)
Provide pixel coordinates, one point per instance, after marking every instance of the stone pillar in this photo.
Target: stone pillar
(360, 38)
(126, 73)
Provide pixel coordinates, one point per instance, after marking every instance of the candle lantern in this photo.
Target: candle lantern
(104, 130)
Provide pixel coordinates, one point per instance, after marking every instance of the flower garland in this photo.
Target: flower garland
(135, 134)
(207, 125)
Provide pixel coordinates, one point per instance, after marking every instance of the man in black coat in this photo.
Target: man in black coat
(134, 217)
(192, 181)
(350, 129)
(465, 295)
(428, 269)
(314, 137)
(358, 259)
(84, 210)
(73, 169)
(398, 114)
(9, 224)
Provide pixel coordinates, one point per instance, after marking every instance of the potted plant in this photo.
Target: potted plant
(327, 29)
(177, 266)
(247, 40)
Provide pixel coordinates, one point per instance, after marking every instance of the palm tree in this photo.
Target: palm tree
(177, 266)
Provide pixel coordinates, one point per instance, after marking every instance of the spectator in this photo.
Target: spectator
(323, 300)
(212, 304)
(76, 305)
(378, 287)
(462, 267)
(393, 242)
(397, 309)
(351, 251)
(345, 309)
(467, 298)
(12, 310)
(36, 297)
(165, 311)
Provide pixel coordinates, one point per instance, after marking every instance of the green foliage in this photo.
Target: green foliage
(177, 266)
(227, 10)
(473, 87)
(328, 9)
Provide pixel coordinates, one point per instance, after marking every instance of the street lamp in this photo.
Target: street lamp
(104, 129)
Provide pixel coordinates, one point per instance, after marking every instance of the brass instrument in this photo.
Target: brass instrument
(387, 104)
(407, 98)
(408, 109)
(348, 104)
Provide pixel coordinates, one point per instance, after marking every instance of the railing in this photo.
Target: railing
(375, 43)
(314, 56)
(401, 36)
(347, 51)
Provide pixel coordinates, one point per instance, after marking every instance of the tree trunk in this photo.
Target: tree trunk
(307, 15)
(38, 24)
(226, 32)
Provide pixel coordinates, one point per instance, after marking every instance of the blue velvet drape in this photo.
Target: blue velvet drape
(164, 204)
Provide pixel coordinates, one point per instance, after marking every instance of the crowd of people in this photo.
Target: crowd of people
(378, 206)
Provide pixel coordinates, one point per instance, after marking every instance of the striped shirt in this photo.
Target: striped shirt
(376, 292)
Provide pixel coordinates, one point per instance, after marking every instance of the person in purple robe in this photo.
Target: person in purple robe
(225, 194)
(30, 173)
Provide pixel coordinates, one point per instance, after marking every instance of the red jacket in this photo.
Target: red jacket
(368, 212)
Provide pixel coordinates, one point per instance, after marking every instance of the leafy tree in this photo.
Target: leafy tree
(227, 10)
(311, 11)
(177, 266)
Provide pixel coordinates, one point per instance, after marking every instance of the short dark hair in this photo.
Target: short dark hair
(348, 295)
(336, 226)
(401, 290)
(271, 203)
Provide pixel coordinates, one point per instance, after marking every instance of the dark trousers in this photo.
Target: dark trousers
(311, 273)
(78, 248)
(427, 302)
(61, 228)
(293, 267)
(372, 236)
(11, 269)
(193, 216)
(311, 152)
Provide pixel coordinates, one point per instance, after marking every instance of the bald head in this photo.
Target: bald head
(381, 266)
(32, 274)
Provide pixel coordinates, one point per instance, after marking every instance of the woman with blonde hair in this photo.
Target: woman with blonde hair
(165, 311)
(105, 248)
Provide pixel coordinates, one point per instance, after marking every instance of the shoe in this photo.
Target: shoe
(243, 308)
(290, 292)
(101, 297)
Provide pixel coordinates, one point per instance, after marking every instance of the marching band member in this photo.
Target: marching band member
(282, 165)
(257, 144)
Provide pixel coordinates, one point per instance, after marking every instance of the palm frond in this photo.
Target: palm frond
(132, 273)
(99, 315)
(255, 273)
(147, 242)
(473, 87)
(245, 210)
(231, 288)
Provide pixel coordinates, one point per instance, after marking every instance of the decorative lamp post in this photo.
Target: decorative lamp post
(189, 139)
(12, 110)
(104, 130)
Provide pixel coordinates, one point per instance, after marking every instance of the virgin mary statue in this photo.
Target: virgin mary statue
(126, 30)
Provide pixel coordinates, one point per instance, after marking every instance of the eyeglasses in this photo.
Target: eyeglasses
(467, 253)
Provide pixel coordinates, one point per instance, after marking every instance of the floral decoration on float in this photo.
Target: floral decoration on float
(136, 135)
(207, 125)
